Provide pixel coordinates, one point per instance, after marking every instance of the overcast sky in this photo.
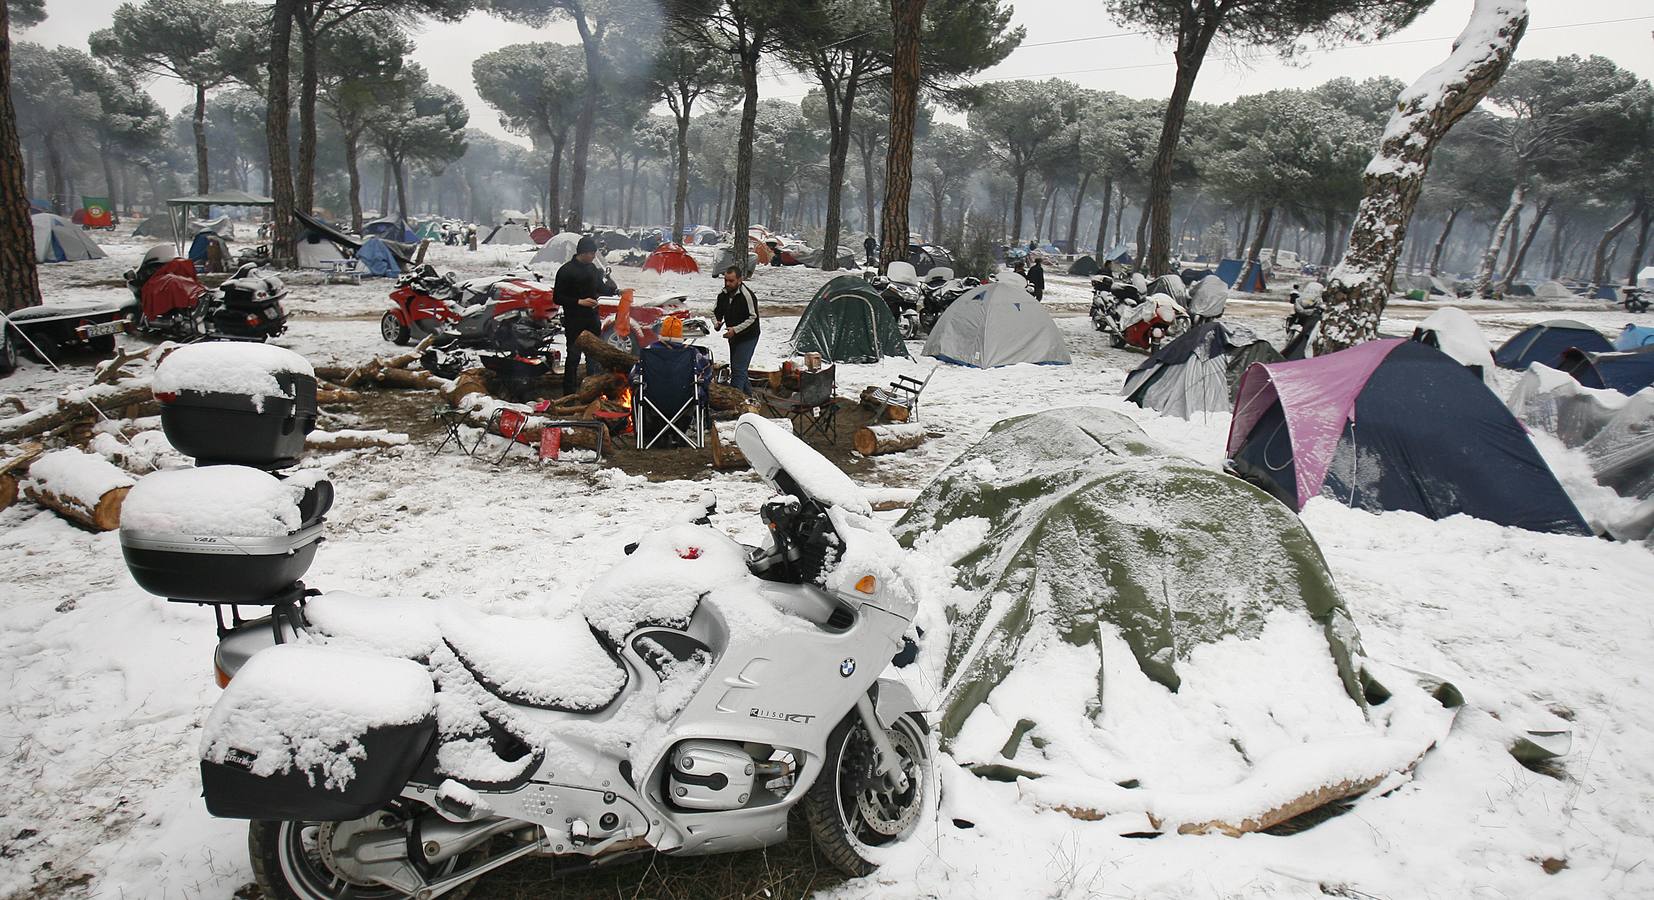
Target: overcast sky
(1058, 44)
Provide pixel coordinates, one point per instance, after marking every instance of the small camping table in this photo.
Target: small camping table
(343, 270)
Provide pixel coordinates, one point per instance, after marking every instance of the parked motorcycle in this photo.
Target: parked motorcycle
(904, 301)
(1635, 300)
(1304, 322)
(514, 334)
(423, 303)
(938, 297)
(170, 301)
(762, 694)
(1120, 310)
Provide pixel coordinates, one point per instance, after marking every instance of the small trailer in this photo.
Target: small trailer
(45, 332)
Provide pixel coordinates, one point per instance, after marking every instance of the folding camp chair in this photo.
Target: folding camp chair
(813, 408)
(451, 420)
(509, 424)
(903, 393)
(670, 392)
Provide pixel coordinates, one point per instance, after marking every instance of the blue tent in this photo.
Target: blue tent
(1230, 270)
(391, 229)
(199, 244)
(1120, 254)
(1393, 425)
(1610, 292)
(1635, 337)
(1627, 372)
(1545, 342)
(378, 259)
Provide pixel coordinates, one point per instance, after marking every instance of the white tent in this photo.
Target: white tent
(1645, 279)
(558, 250)
(1553, 290)
(57, 240)
(997, 324)
(509, 233)
(1452, 331)
(312, 253)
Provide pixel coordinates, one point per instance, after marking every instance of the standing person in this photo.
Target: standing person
(736, 312)
(1036, 278)
(872, 248)
(576, 289)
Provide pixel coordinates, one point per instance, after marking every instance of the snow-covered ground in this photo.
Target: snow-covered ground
(104, 689)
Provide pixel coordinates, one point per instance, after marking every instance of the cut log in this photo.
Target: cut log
(404, 378)
(8, 490)
(607, 355)
(325, 396)
(353, 440)
(878, 401)
(80, 487)
(876, 439)
(727, 399)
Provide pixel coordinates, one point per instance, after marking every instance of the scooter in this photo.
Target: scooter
(169, 301)
(761, 691)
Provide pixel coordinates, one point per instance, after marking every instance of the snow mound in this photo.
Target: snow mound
(221, 501)
(229, 367)
(307, 707)
(544, 663)
(661, 582)
(403, 628)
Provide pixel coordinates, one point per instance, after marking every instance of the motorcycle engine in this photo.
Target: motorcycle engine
(715, 775)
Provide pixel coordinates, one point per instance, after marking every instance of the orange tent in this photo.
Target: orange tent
(671, 258)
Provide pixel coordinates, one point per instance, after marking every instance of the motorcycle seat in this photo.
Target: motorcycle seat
(540, 662)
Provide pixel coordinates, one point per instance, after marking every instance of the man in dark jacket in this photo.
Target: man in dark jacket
(872, 248)
(578, 285)
(736, 312)
(1036, 278)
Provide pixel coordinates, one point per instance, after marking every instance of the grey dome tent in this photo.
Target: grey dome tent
(1544, 343)
(1085, 267)
(927, 256)
(508, 234)
(1200, 371)
(726, 258)
(847, 321)
(56, 240)
(997, 324)
(558, 250)
(156, 226)
(817, 259)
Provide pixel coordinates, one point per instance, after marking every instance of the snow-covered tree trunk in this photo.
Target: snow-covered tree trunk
(1425, 112)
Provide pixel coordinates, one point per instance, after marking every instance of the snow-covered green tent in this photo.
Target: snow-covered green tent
(1129, 634)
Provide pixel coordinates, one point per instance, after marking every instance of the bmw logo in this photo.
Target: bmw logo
(847, 668)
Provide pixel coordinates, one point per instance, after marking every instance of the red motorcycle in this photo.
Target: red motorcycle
(422, 304)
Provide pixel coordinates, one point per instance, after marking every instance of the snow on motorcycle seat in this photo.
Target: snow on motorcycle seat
(237, 402)
(545, 663)
(662, 580)
(315, 733)
(222, 534)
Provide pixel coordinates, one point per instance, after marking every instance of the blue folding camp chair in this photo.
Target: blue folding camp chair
(671, 388)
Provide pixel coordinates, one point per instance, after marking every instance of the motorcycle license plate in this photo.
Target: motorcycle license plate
(103, 328)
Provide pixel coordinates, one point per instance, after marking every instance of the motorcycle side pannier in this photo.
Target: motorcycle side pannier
(316, 733)
(222, 534)
(237, 402)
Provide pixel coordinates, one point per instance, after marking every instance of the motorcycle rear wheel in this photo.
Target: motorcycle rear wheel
(851, 812)
(392, 330)
(8, 352)
(289, 864)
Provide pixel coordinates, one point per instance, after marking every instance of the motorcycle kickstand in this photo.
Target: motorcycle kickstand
(888, 765)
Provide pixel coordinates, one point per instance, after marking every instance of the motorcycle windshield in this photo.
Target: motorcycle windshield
(790, 466)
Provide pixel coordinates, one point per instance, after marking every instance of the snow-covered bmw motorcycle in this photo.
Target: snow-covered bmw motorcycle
(701, 691)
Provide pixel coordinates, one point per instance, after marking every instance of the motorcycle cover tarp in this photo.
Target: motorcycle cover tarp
(1452, 331)
(1102, 550)
(378, 259)
(1615, 431)
(997, 324)
(173, 286)
(1197, 372)
(1208, 297)
(847, 321)
(1393, 425)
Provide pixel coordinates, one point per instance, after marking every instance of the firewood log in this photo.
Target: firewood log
(79, 486)
(353, 440)
(607, 355)
(470, 381)
(876, 439)
(67, 413)
(327, 395)
(8, 490)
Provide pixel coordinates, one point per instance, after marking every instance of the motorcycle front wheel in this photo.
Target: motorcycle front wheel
(392, 330)
(294, 861)
(852, 812)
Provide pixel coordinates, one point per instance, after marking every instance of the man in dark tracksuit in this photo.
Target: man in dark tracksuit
(578, 285)
(1036, 278)
(872, 248)
(736, 312)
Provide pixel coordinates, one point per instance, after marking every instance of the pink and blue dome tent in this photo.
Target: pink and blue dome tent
(1392, 425)
(1545, 342)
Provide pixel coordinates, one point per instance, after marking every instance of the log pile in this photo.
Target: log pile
(874, 440)
(9, 471)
